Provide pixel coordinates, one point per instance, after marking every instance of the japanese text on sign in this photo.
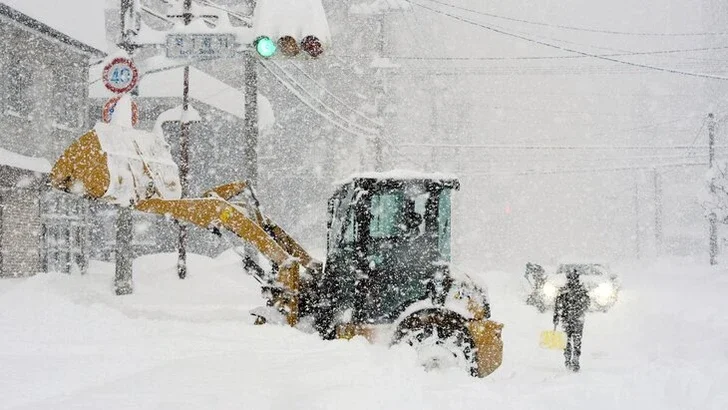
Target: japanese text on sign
(200, 45)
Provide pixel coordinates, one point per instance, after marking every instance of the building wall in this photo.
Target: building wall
(43, 108)
(43, 91)
(20, 223)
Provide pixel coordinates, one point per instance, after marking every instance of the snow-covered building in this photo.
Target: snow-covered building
(44, 58)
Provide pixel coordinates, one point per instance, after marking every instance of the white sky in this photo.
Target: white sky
(562, 102)
(82, 20)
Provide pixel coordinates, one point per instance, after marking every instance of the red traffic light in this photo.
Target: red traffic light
(312, 45)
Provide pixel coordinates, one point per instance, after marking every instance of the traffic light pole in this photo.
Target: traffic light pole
(123, 258)
(637, 226)
(379, 138)
(658, 211)
(184, 154)
(250, 137)
(712, 218)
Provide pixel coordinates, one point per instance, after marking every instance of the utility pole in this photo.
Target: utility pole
(123, 281)
(250, 137)
(434, 121)
(379, 138)
(712, 218)
(184, 154)
(637, 227)
(658, 212)
(363, 9)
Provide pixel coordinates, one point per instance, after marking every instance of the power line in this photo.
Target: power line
(369, 131)
(301, 98)
(585, 29)
(560, 147)
(298, 95)
(550, 45)
(154, 14)
(570, 57)
(585, 170)
(581, 158)
(339, 100)
(244, 19)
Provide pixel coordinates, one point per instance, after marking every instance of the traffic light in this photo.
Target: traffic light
(312, 45)
(265, 47)
(288, 47)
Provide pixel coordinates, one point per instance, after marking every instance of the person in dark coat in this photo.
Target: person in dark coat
(570, 308)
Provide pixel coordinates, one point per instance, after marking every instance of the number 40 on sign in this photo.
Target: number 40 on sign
(120, 75)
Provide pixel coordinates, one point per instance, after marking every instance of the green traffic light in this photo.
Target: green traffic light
(265, 46)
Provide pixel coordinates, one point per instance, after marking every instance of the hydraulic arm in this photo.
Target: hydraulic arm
(129, 167)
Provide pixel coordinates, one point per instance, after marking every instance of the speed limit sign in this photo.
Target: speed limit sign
(120, 75)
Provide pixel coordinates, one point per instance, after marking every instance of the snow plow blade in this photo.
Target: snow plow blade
(119, 165)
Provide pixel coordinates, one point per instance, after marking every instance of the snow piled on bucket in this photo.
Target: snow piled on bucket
(137, 160)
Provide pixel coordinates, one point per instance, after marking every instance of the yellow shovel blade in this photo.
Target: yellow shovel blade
(553, 339)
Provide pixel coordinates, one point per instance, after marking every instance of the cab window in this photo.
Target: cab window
(386, 210)
(444, 218)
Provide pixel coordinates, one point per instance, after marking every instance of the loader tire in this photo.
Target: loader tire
(441, 341)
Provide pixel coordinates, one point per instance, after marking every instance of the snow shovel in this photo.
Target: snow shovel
(553, 340)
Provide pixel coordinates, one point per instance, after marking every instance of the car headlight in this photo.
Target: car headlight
(603, 293)
(549, 290)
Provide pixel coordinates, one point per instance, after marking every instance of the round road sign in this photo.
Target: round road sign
(108, 111)
(120, 75)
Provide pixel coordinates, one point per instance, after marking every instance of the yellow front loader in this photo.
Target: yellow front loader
(386, 278)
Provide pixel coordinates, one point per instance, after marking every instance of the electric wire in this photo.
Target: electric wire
(584, 29)
(585, 170)
(301, 98)
(566, 49)
(339, 100)
(569, 57)
(558, 147)
(331, 120)
(247, 22)
(369, 131)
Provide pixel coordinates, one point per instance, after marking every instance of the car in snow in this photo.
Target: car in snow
(544, 283)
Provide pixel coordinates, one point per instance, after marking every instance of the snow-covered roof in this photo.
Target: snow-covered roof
(203, 88)
(24, 162)
(296, 18)
(81, 20)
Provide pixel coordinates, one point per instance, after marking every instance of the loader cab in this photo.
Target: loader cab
(388, 241)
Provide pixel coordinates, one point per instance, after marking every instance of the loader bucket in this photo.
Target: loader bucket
(118, 164)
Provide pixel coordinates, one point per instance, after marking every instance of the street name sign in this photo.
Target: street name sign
(181, 45)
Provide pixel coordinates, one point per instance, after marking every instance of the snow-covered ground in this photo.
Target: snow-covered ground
(68, 343)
